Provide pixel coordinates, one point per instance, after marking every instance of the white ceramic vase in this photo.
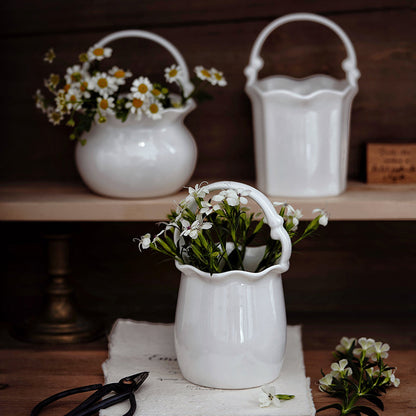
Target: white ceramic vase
(230, 328)
(301, 126)
(140, 158)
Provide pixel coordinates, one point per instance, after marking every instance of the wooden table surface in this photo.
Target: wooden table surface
(33, 373)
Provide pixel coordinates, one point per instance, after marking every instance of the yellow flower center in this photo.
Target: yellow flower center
(98, 52)
(154, 108)
(67, 87)
(104, 104)
(206, 73)
(218, 76)
(142, 88)
(54, 79)
(156, 92)
(173, 73)
(76, 76)
(137, 103)
(102, 83)
(83, 86)
(119, 74)
(73, 99)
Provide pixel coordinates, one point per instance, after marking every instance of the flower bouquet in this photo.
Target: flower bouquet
(215, 232)
(86, 93)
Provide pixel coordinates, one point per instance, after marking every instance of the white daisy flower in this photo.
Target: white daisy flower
(379, 350)
(106, 105)
(268, 396)
(119, 75)
(153, 110)
(40, 101)
(173, 73)
(74, 74)
(136, 106)
(218, 78)
(141, 88)
(98, 53)
(366, 347)
(204, 74)
(323, 219)
(103, 84)
(54, 116)
(73, 98)
(84, 86)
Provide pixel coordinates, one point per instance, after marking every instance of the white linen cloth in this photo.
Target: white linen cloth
(138, 346)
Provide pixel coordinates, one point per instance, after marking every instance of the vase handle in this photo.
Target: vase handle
(187, 85)
(274, 220)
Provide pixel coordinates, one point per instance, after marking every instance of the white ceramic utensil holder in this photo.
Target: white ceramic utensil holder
(140, 158)
(301, 126)
(230, 328)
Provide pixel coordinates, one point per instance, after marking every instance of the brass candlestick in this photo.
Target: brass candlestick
(59, 322)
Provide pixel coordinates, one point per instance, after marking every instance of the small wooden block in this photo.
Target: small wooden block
(391, 163)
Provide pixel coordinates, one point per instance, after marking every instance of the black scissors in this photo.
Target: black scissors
(123, 390)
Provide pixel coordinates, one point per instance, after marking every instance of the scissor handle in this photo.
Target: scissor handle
(37, 409)
(256, 62)
(187, 85)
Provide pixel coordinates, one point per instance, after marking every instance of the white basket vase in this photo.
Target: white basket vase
(140, 158)
(301, 126)
(230, 328)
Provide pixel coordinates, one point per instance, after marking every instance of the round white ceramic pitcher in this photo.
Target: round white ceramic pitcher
(140, 158)
(230, 328)
(301, 126)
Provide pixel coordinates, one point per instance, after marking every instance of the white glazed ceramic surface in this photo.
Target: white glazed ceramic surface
(140, 158)
(230, 328)
(301, 126)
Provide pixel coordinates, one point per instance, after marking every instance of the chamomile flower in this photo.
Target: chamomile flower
(218, 78)
(204, 74)
(74, 74)
(52, 82)
(153, 110)
(73, 98)
(84, 87)
(40, 101)
(119, 75)
(141, 88)
(136, 106)
(98, 53)
(106, 105)
(173, 73)
(49, 56)
(54, 116)
(61, 103)
(103, 84)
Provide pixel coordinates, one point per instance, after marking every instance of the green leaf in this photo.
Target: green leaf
(375, 400)
(364, 409)
(331, 406)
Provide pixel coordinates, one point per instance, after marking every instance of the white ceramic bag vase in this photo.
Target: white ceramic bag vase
(230, 328)
(301, 126)
(140, 158)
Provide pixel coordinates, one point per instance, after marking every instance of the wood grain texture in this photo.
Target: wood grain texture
(212, 34)
(33, 374)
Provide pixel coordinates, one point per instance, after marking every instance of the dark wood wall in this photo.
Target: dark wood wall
(353, 268)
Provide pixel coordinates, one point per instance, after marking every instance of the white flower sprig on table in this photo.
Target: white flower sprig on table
(86, 94)
(269, 396)
(215, 231)
(360, 373)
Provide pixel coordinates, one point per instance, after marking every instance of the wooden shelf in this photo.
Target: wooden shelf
(40, 201)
